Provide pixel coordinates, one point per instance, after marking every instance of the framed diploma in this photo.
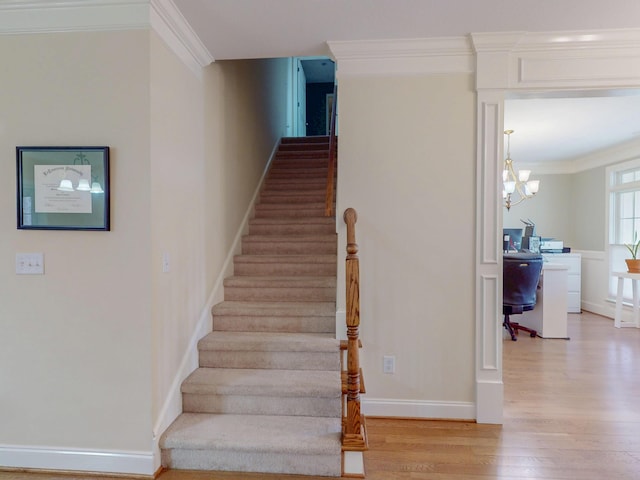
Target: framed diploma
(63, 188)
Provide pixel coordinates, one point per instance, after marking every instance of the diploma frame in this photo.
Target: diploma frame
(63, 188)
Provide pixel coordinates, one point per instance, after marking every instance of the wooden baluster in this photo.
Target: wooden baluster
(353, 437)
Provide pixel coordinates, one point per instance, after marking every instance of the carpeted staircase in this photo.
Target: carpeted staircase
(267, 395)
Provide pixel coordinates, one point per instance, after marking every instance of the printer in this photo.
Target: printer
(549, 245)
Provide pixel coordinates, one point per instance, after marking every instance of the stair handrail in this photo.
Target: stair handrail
(354, 434)
(328, 208)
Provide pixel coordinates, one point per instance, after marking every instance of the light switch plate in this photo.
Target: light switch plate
(30, 263)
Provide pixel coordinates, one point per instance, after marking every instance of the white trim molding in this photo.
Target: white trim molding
(421, 56)
(81, 460)
(45, 16)
(391, 407)
(557, 60)
(167, 21)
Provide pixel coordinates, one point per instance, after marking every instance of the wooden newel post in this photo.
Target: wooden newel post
(353, 426)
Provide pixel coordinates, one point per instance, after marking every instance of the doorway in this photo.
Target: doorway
(312, 81)
(523, 63)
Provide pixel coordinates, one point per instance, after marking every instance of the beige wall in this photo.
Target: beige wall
(569, 207)
(75, 349)
(91, 351)
(211, 140)
(176, 210)
(245, 115)
(552, 209)
(407, 165)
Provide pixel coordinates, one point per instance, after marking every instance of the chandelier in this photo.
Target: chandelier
(516, 187)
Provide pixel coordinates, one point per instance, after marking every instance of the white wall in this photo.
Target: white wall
(75, 347)
(407, 165)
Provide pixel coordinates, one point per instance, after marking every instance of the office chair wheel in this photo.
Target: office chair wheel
(532, 334)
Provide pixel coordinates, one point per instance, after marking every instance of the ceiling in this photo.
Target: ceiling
(319, 70)
(546, 129)
(552, 128)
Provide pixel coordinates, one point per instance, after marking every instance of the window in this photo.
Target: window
(623, 191)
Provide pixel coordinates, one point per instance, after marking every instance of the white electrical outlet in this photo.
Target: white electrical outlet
(30, 263)
(389, 364)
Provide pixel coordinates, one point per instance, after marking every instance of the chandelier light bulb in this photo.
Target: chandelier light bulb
(516, 186)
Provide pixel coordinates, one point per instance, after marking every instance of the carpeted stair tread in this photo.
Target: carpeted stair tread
(319, 259)
(295, 183)
(324, 238)
(270, 350)
(269, 342)
(280, 309)
(269, 281)
(286, 205)
(285, 265)
(298, 221)
(267, 433)
(264, 382)
(314, 224)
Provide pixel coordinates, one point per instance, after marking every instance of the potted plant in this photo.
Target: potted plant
(633, 263)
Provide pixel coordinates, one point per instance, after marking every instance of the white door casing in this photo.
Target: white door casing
(525, 62)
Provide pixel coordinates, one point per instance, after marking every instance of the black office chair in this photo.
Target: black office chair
(521, 273)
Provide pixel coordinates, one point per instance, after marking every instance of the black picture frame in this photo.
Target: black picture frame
(63, 188)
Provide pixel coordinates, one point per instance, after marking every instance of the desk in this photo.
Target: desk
(549, 316)
(634, 277)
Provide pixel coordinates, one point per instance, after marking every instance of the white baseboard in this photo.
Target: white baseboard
(389, 407)
(101, 461)
(599, 309)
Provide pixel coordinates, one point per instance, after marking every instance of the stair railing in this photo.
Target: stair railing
(328, 208)
(353, 432)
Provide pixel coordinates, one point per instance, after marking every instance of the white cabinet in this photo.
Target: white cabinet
(549, 316)
(573, 261)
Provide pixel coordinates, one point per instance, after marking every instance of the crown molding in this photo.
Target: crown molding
(41, 16)
(401, 57)
(601, 158)
(45, 16)
(567, 40)
(169, 23)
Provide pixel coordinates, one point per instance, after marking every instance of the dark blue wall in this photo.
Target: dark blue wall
(317, 107)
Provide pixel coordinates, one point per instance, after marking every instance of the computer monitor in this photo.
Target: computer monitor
(512, 239)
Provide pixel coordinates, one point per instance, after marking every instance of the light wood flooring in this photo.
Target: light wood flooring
(572, 411)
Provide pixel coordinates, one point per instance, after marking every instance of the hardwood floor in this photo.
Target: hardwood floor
(572, 411)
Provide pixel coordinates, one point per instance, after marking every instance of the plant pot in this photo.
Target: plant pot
(633, 265)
